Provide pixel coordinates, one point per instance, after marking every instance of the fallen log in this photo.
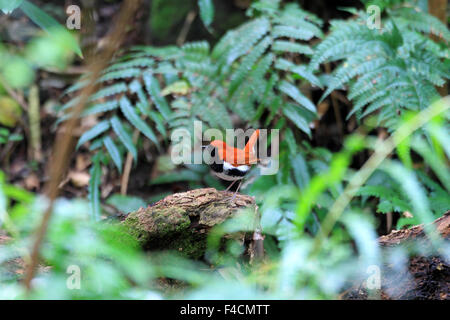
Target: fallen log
(181, 221)
(425, 278)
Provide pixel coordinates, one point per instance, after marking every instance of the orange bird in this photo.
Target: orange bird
(232, 164)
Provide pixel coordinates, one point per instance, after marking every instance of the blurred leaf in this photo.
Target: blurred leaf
(113, 152)
(8, 6)
(206, 12)
(94, 188)
(178, 87)
(18, 72)
(51, 50)
(177, 176)
(413, 189)
(126, 204)
(10, 112)
(301, 174)
(95, 131)
(49, 24)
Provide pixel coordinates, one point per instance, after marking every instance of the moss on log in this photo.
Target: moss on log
(181, 221)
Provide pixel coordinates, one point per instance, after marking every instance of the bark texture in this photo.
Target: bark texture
(181, 221)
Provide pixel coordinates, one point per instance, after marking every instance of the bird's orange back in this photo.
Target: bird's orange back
(237, 156)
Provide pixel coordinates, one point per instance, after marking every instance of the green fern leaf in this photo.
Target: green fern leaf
(95, 131)
(206, 11)
(154, 90)
(123, 136)
(293, 92)
(120, 74)
(113, 152)
(110, 91)
(287, 46)
(100, 108)
(135, 120)
(302, 71)
(247, 64)
(292, 113)
(139, 62)
(291, 32)
(94, 191)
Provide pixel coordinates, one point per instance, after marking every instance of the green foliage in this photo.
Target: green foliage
(8, 6)
(6, 136)
(246, 73)
(53, 49)
(404, 189)
(126, 204)
(166, 14)
(254, 72)
(390, 70)
(206, 11)
(43, 20)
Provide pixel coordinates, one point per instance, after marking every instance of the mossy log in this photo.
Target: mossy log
(426, 278)
(181, 221)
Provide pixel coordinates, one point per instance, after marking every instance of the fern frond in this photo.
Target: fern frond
(293, 47)
(120, 74)
(152, 86)
(421, 21)
(386, 71)
(248, 63)
(100, 108)
(113, 152)
(293, 92)
(95, 131)
(131, 115)
(293, 114)
(110, 91)
(124, 136)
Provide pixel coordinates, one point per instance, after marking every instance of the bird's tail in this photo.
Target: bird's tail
(250, 146)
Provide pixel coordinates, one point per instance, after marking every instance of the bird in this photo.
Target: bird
(232, 164)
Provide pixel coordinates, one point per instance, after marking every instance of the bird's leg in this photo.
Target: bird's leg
(229, 187)
(237, 189)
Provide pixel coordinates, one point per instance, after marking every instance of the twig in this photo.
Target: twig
(35, 151)
(64, 145)
(186, 26)
(258, 238)
(128, 164)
